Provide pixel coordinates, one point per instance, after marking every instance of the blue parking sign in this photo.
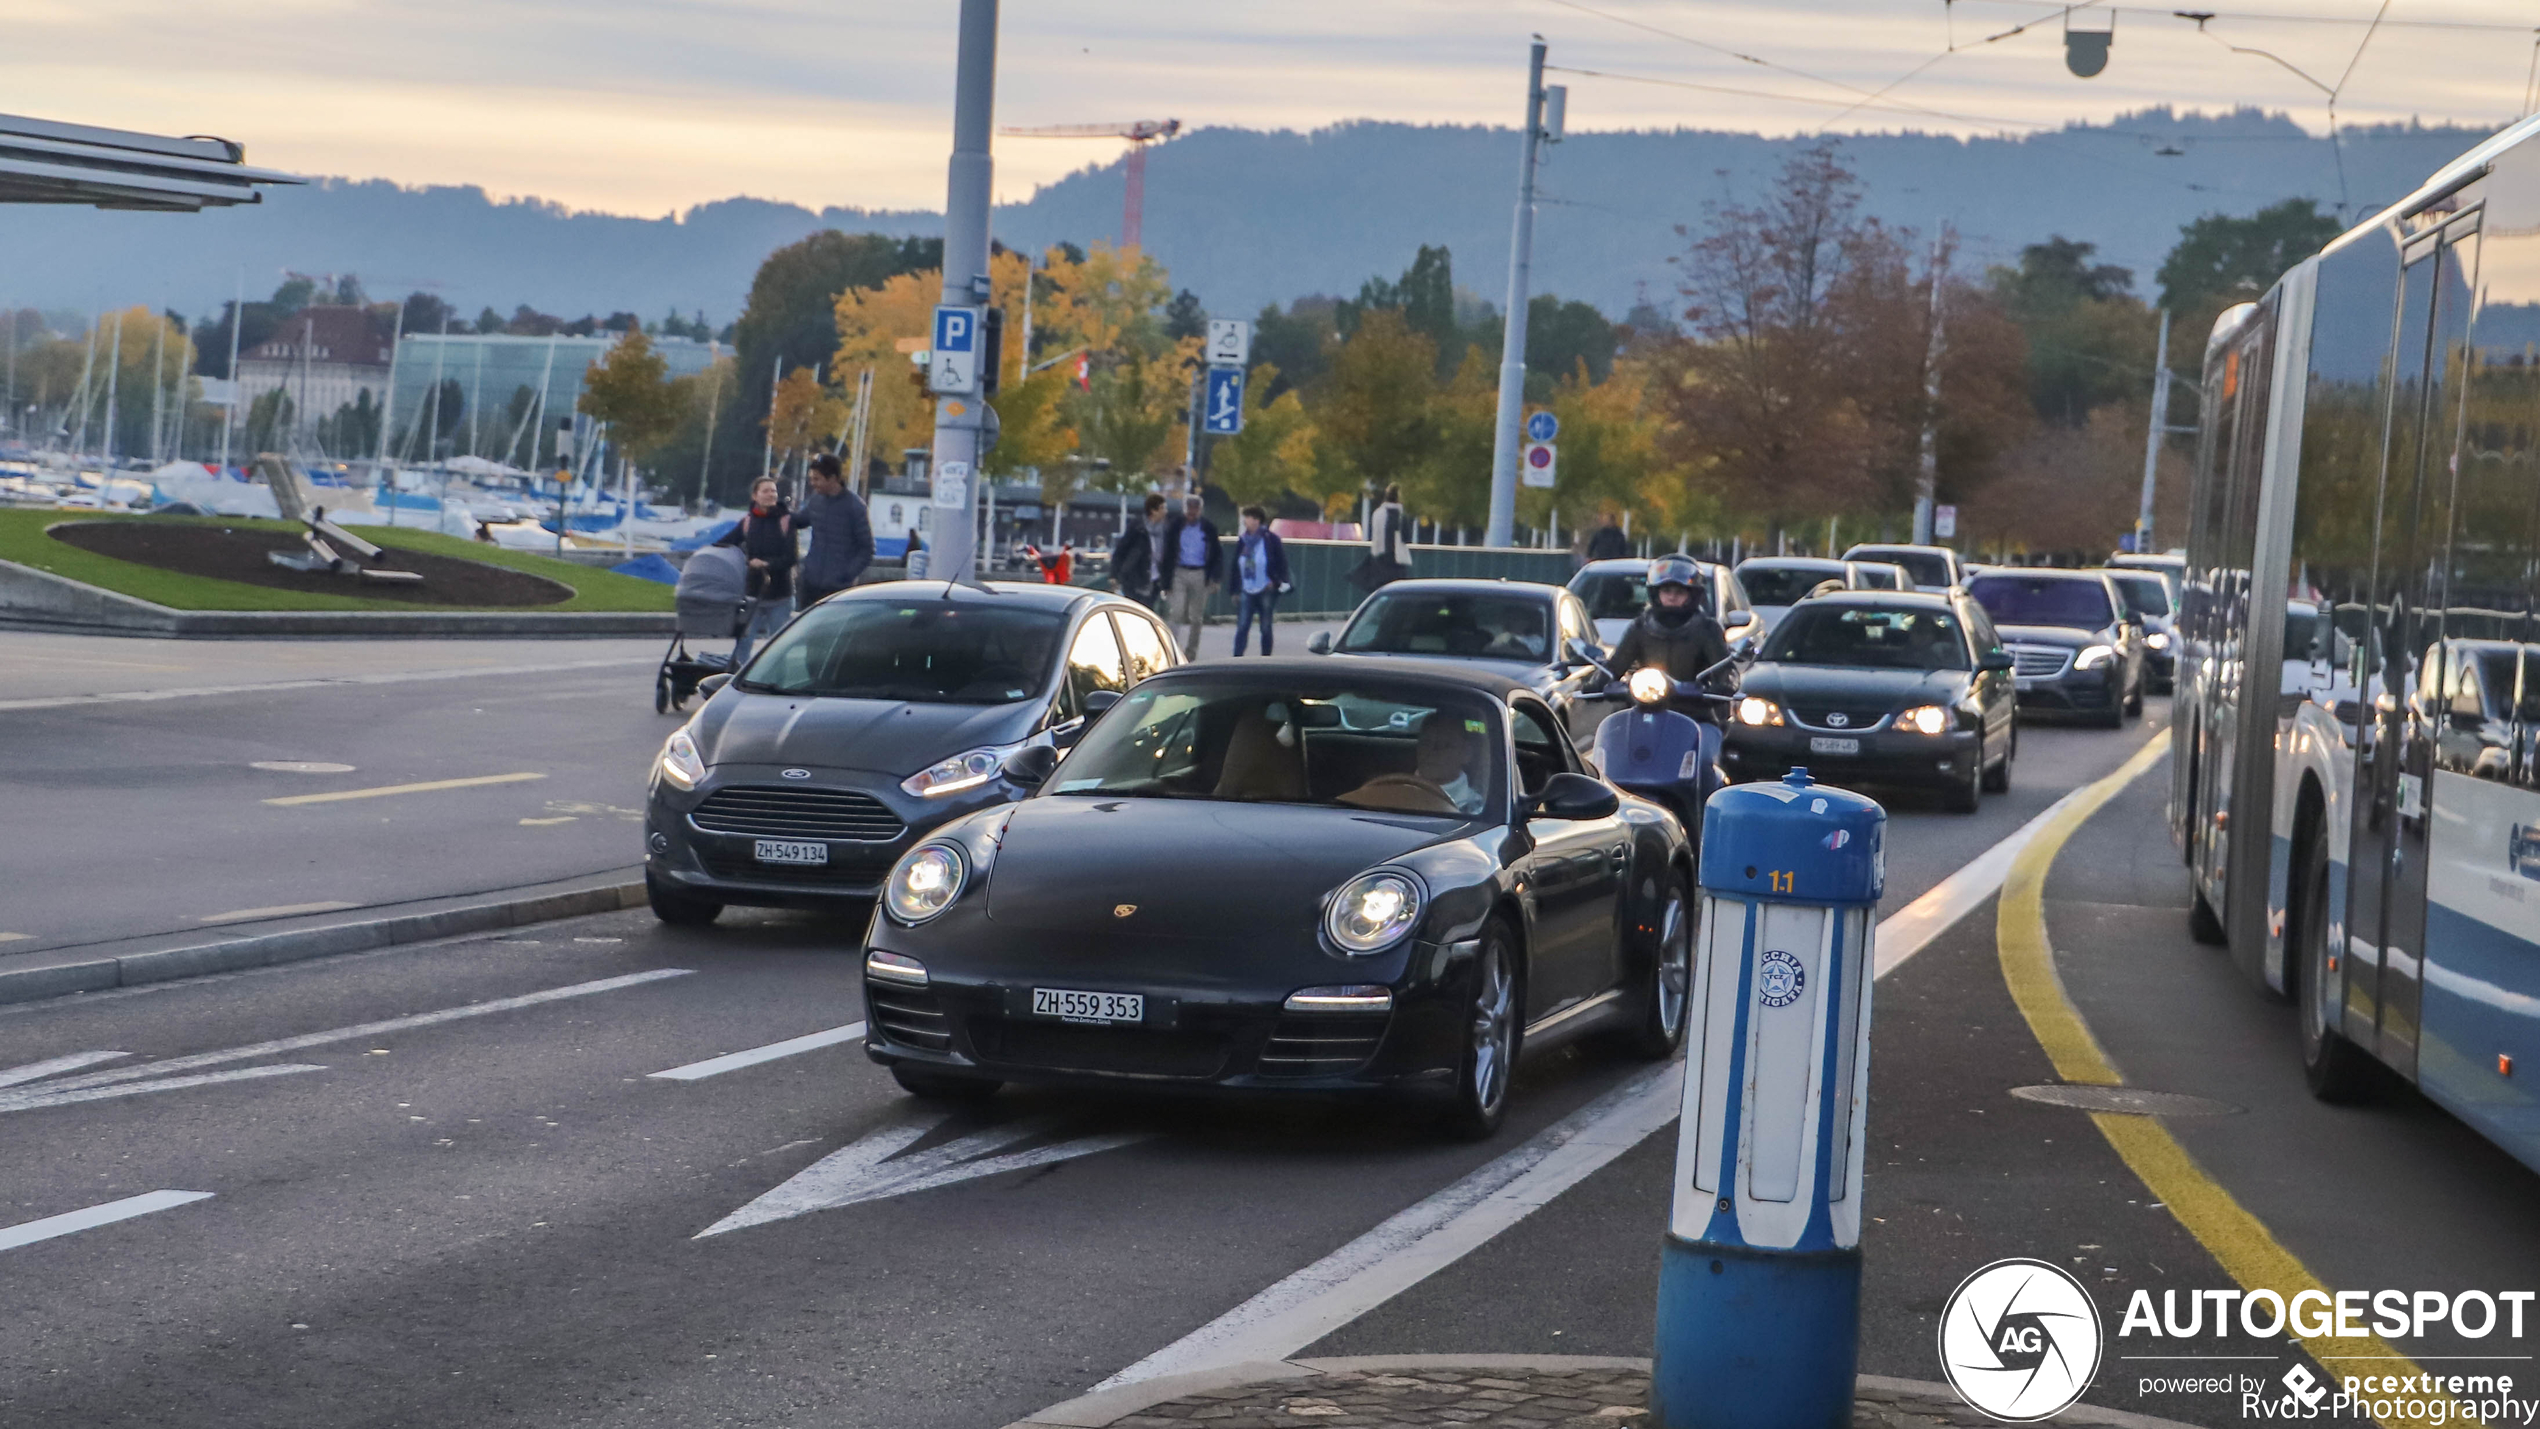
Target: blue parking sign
(953, 366)
(1542, 427)
(1223, 414)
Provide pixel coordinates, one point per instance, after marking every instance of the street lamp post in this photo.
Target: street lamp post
(1512, 351)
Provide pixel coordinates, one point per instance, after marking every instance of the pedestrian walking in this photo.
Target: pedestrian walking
(841, 534)
(1609, 542)
(765, 534)
(1133, 555)
(1192, 563)
(1261, 576)
(1388, 545)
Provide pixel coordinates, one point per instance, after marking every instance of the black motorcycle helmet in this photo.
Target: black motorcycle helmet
(1675, 570)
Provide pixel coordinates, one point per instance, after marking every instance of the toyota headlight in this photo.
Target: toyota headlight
(1373, 911)
(1925, 719)
(2157, 640)
(925, 883)
(1650, 685)
(679, 762)
(2094, 656)
(962, 771)
(1752, 710)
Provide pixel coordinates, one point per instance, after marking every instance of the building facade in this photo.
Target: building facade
(324, 357)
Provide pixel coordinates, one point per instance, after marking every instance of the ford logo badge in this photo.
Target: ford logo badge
(1838, 720)
(797, 773)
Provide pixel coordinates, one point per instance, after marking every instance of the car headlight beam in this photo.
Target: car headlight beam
(1925, 719)
(2094, 656)
(1374, 911)
(925, 883)
(967, 770)
(680, 763)
(1757, 711)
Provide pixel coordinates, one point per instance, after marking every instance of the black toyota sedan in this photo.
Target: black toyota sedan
(1880, 687)
(2076, 649)
(1288, 875)
(875, 716)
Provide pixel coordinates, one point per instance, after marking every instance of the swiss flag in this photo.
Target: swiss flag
(1085, 371)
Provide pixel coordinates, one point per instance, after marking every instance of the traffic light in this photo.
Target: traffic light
(991, 351)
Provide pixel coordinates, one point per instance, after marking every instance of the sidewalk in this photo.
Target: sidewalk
(1477, 1391)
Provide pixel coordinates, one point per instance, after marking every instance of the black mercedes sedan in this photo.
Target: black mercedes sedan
(875, 716)
(1288, 875)
(1880, 687)
(2076, 649)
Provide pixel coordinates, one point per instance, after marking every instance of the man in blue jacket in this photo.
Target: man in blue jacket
(1188, 562)
(1261, 576)
(841, 534)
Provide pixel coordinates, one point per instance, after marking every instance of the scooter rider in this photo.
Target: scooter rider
(1675, 633)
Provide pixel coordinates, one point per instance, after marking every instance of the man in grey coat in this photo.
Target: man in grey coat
(841, 534)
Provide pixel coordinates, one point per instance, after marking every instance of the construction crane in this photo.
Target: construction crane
(1139, 133)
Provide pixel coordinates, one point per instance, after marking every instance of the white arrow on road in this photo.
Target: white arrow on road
(873, 1168)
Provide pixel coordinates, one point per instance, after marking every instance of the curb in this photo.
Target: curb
(301, 944)
(1104, 1408)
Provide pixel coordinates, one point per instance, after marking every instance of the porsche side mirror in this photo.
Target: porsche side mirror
(1579, 652)
(1995, 660)
(1099, 701)
(1574, 796)
(1031, 766)
(712, 685)
(1321, 644)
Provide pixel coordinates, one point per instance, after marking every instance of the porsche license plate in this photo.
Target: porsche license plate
(1830, 744)
(788, 851)
(1088, 1006)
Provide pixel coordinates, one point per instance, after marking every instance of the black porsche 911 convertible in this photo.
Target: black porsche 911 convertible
(1293, 875)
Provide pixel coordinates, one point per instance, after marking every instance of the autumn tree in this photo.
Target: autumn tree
(628, 389)
(1275, 450)
(1374, 423)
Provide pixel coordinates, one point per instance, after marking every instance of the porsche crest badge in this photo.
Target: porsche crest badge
(1123, 910)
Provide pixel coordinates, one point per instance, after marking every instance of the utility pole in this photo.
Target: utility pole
(2152, 437)
(1927, 463)
(1512, 349)
(959, 418)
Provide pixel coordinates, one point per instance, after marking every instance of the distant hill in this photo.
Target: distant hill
(1245, 217)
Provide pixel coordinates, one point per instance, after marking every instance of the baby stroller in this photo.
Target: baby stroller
(711, 605)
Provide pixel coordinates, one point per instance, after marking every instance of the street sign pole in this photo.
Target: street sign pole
(1512, 352)
(959, 410)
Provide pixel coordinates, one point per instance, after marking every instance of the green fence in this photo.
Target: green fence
(1320, 572)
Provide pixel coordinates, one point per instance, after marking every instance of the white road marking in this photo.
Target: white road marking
(1912, 928)
(36, 1097)
(429, 786)
(15, 937)
(300, 766)
(248, 915)
(865, 1171)
(734, 1061)
(15, 1100)
(27, 1233)
(11, 1076)
(48, 702)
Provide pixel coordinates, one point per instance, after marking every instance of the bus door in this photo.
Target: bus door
(2386, 860)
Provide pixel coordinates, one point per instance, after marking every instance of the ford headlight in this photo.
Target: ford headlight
(679, 762)
(2157, 640)
(1752, 710)
(1924, 719)
(1649, 685)
(925, 883)
(962, 771)
(1373, 911)
(2094, 656)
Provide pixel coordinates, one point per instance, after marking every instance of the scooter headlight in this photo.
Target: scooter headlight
(1649, 685)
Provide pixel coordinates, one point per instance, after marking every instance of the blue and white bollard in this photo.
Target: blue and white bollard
(1759, 1286)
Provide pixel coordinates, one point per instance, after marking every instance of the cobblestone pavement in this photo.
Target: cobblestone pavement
(1599, 1398)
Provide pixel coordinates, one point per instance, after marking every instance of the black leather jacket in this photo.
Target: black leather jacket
(1682, 650)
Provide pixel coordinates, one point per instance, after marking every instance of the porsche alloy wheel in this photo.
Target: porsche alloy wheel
(1490, 1052)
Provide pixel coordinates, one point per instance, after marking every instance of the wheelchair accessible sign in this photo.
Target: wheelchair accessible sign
(953, 370)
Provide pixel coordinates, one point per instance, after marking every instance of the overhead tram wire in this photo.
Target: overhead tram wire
(2259, 16)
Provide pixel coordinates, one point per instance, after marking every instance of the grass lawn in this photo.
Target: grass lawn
(23, 541)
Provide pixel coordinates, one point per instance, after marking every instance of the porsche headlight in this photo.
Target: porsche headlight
(679, 762)
(1752, 710)
(962, 771)
(925, 883)
(1373, 911)
(1925, 719)
(2094, 656)
(2157, 640)
(1649, 685)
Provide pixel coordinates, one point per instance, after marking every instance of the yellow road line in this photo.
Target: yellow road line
(2243, 1245)
(339, 795)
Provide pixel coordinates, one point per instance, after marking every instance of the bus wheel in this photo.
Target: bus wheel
(2202, 923)
(2338, 1070)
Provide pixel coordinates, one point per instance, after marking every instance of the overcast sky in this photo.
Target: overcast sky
(647, 106)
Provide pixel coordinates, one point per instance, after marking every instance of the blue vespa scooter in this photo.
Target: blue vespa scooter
(1655, 750)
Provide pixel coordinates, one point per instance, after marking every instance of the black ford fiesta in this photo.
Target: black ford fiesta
(1291, 875)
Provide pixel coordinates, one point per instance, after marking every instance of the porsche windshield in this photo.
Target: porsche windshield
(934, 651)
(1247, 741)
(1870, 637)
(1483, 625)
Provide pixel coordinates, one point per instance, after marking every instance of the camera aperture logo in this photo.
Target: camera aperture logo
(2020, 1340)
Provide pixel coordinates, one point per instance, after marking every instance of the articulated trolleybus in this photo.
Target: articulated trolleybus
(2354, 783)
